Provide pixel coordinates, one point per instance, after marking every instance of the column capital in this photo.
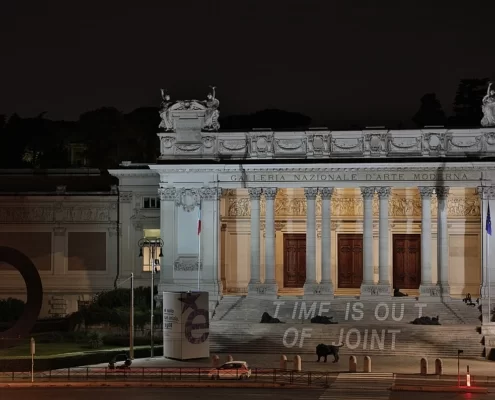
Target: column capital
(486, 192)
(167, 194)
(425, 192)
(311, 193)
(442, 192)
(384, 192)
(270, 193)
(367, 192)
(188, 198)
(255, 193)
(59, 231)
(326, 193)
(210, 193)
(125, 197)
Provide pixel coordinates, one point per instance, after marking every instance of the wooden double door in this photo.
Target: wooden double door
(294, 260)
(406, 261)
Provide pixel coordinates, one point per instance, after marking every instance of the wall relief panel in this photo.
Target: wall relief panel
(399, 206)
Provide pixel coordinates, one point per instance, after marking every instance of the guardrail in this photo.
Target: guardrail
(199, 374)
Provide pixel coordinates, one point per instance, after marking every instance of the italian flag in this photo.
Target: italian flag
(199, 219)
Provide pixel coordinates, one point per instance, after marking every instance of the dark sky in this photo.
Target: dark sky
(330, 59)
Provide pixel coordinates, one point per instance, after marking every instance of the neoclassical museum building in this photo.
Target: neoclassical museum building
(315, 213)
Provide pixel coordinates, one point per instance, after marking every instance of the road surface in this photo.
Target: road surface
(225, 394)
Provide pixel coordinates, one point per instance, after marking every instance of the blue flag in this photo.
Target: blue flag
(488, 221)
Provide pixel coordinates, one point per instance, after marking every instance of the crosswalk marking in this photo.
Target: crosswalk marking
(351, 385)
(330, 394)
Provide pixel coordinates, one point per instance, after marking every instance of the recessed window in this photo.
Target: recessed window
(151, 202)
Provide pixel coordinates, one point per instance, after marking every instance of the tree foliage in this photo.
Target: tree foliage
(430, 111)
(11, 309)
(467, 102)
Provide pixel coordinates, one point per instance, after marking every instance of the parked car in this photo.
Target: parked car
(120, 361)
(231, 370)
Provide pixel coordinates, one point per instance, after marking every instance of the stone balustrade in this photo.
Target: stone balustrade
(318, 143)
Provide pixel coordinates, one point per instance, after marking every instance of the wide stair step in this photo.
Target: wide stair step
(379, 339)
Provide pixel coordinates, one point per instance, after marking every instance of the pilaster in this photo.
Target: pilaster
(310, 194)
(59, 240)
(368, 287)
(443, 241)
(383, 242)
(325, 287)
(167, 232)
(255, 281)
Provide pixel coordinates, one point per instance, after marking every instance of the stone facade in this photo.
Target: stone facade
(71, 237)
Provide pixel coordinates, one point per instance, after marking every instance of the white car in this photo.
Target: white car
(231, 370)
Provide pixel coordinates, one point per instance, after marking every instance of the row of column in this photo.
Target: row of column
(368, 286)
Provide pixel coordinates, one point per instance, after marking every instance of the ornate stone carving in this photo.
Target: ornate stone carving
(229, 192)
(114, 231)
(442, 192)
(404, 206)
(326, 193)
(367, 192)
(254, 193)
(26, 214)
(167, 194)
(125, 197)
(383, 192)
(486, 192)
(61, 189)
(188, 198)
(399, 206)
(76, 213)
(211, 193)
(334, 225)
(425, 191)
(280, 225)
(187, 264)
(488, 107)
(374, 290)
(434, 143)
(270, 193)
(311, 193)
(432, 291)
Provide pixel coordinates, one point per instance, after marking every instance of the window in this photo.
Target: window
(151, 202)
(151, 257)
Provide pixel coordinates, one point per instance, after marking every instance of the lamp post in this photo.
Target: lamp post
(152, 244)
(459, 352)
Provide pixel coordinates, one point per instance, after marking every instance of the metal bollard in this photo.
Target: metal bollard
(367, 364)
(352, 364)
(215, 361)
(230, 358)
(438, 366)
(283, 362)
(297, 363)
(423, 366)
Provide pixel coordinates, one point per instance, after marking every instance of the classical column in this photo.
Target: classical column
(310, 284)
(426, 289)
(442, 241)
(254, 196)
(486, 194)
(326, 285)
(270, 287)
(368, 287)
(167, 233)
(383, 242)
(210, 218)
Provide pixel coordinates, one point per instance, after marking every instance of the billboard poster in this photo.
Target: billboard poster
(186, 325)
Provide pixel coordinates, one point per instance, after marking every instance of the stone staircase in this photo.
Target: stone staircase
(380, 327)
(359, 340)
(294, 310)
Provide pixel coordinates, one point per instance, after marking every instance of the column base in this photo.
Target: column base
(374, 291)
(432, 293)
(318, 291)
(263, 290)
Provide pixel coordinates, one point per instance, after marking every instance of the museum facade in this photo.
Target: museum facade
(314, 213)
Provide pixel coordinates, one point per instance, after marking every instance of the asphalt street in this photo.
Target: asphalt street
(225, 394)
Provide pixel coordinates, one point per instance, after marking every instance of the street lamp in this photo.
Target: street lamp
(152, 244)
(459, 352)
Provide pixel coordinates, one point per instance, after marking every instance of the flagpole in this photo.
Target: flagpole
(488, 230)
(199, 243)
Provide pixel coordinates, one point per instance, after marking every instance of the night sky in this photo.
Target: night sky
(332, 60)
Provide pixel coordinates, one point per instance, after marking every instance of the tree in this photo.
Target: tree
(430, 111)
(467, 102)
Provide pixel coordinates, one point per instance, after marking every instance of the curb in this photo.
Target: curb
(445, 389)
(232, 385)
